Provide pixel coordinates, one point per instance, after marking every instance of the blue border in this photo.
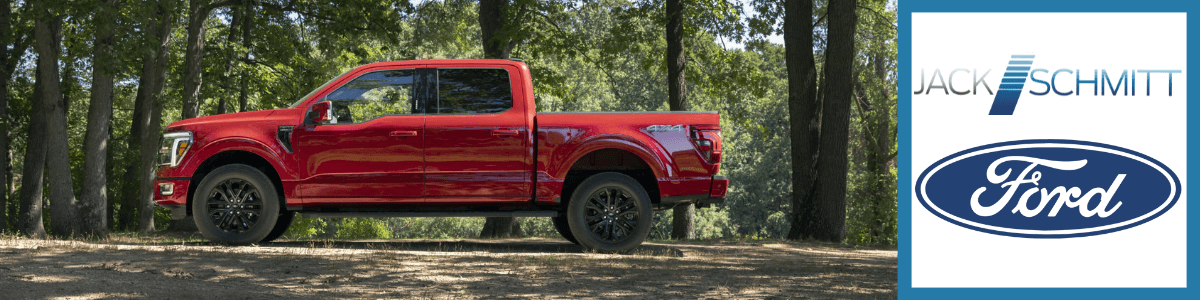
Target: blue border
(906, 8)
(1171, 201)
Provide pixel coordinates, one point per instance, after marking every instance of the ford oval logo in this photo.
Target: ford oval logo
(1048, 188)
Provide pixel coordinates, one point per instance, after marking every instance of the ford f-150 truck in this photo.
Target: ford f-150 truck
(437, 138)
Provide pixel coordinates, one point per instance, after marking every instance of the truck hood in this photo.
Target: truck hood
(284, 116)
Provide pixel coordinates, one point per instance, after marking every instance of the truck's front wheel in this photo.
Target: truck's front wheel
(610, 212)
(236, 204)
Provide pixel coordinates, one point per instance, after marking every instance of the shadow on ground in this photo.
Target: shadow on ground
(520, 268)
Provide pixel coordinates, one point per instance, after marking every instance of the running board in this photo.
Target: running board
(372, 214)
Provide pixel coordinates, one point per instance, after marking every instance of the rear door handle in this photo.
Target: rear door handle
(505, 132)
(403, 133)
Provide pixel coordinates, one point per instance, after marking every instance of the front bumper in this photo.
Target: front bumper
(171, 193)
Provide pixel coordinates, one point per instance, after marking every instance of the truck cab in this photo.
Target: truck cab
(437, 138)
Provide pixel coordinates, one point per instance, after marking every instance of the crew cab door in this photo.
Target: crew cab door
(476, 139)
(372, 150)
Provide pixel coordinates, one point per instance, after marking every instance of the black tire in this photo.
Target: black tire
(610, 212)
(243, 210)
(281, 226)
(564, 229)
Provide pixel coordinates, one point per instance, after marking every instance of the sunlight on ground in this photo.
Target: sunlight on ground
(533, 268)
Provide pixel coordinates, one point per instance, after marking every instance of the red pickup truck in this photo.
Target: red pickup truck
(437, 138)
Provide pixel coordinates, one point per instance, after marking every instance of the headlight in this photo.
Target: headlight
(174, 146)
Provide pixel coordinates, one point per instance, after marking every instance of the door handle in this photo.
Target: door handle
(403, 133)
(505, 132)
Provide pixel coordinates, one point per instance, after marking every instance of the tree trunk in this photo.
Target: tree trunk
(48, 30)
(111, 186)
(804, 109)
(147, 162)
(9, 58)
(29, 221)
(144, 132)
(230, 56)
(153, 132)
(676, 58)
(492, 21)
(5, 22)
(883, 201)
(248, 12)
(827, 217)
(193, 58)
(94, 199)
(682, 225)
(127, 215)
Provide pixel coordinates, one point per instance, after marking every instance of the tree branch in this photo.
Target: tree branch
(879, 15)
(291, 7)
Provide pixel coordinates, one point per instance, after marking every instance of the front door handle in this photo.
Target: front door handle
(505, 132)
(404, 133)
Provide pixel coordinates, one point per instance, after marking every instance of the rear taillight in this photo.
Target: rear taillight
(708, 140)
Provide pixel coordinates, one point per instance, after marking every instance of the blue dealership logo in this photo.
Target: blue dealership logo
(1048, 188)
(1103, 82)
(1011, 85)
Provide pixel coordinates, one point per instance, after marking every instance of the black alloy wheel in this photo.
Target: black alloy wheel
(236, 204)
(610, 212)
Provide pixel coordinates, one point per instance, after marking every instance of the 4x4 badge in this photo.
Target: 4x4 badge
(664, 128)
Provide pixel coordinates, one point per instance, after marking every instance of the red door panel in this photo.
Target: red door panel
(363, 163)
(372, 149)
(465, 158)
(476, 139)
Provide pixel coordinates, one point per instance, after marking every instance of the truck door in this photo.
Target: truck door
(372, 150)
(476, 139)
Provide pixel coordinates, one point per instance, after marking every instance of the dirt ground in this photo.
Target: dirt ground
(439, 269)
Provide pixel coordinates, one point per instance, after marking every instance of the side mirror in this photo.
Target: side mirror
(320, 113)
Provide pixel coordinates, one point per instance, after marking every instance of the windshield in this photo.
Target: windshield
(322, 87)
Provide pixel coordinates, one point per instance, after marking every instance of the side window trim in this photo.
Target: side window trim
(427, 80)
(434, 107)
(418, 98)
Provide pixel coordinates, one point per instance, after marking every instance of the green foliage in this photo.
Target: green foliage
(162, 217)
(436, 228)
(342, 228)
(304, 228)
(363, 228)
(539, 227)
(710, 223)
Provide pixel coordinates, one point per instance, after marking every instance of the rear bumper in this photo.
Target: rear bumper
(716, 195)
(720, 184)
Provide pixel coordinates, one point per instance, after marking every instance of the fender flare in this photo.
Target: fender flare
(654, 156)
(243, 144)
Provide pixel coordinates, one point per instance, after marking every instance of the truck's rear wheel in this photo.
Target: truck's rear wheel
(610, 212)
(564, 228)
(236, 204)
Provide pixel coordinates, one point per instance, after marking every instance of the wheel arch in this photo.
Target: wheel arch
(236, 156)
(613, 159)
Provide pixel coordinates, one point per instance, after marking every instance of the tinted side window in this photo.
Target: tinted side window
(473, 91)
(374, 95)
